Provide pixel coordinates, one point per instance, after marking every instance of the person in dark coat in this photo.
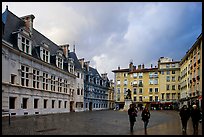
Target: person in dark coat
(145, 117)
(132, 112)
(195, 116)
(185, 115)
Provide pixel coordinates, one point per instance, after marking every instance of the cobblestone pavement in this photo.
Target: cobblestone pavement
(106, 122)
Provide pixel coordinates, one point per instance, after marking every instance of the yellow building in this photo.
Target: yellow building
(111, 99)
(191, 66)
(148, 85)
(169, 82)
(120, 86)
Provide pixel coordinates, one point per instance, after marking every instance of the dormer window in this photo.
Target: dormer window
(71, 66)
(24, 44)
(45, 53)
(59, 59)
(59, 62)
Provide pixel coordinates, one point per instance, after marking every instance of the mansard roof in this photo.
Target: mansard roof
(12, 23)
(76, 61)
(94, 72)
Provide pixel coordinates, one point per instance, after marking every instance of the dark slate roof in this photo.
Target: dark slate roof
(76, 61)
(12, 24)
(38, 38)
(94, 71)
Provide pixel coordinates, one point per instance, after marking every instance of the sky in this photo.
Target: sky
(111, 34)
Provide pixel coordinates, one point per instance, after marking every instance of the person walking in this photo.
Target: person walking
(145, 117)
(132, 112)
(195, 116)
(185, 115)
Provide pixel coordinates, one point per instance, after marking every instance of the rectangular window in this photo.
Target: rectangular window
(125, 89)
(65, 86)
(118, 90)
(25, 45)
(156, 98)
(156, 90)
(162, 72)
(53, 103)
(135, 91)
(25, 101)
(45, 103)
(173, 96)
(167, 87)
(162, 96)
(13, 79)
(12, 102)
(59, 84)
(140, 90)
(150, 98)
(140, 98)
(173, 78)
(52, 83)
(36, 103)
(134, 75)
(125, 82)
(167, 96)
(167, 72)
(65, 104)
(78, 91)
(150, 90)
(45, 55)
(173, 87)
(135, 98)
(140, 75)
(36, 78)
(24, 75)
(45, 80)
(167, 78)
(60, 103)
(59, 61)
(173, 72)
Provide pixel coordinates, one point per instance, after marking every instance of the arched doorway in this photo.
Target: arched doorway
(71, 106)
(90, 106)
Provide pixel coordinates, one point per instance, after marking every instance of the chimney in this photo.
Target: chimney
(87, 65)
(65, 49)
(29, 22)
(134, 67)
(151, 65)
(82, 62)
(142, 66)
(118, 67)
(139, 66)
(131, 66)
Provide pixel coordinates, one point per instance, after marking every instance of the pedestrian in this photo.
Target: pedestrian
(145, 117)
(195, 116)
(185, 115)
(132, 112)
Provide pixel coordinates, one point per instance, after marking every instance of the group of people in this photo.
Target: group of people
(132, 112)
(195, 114)
(185, 113)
